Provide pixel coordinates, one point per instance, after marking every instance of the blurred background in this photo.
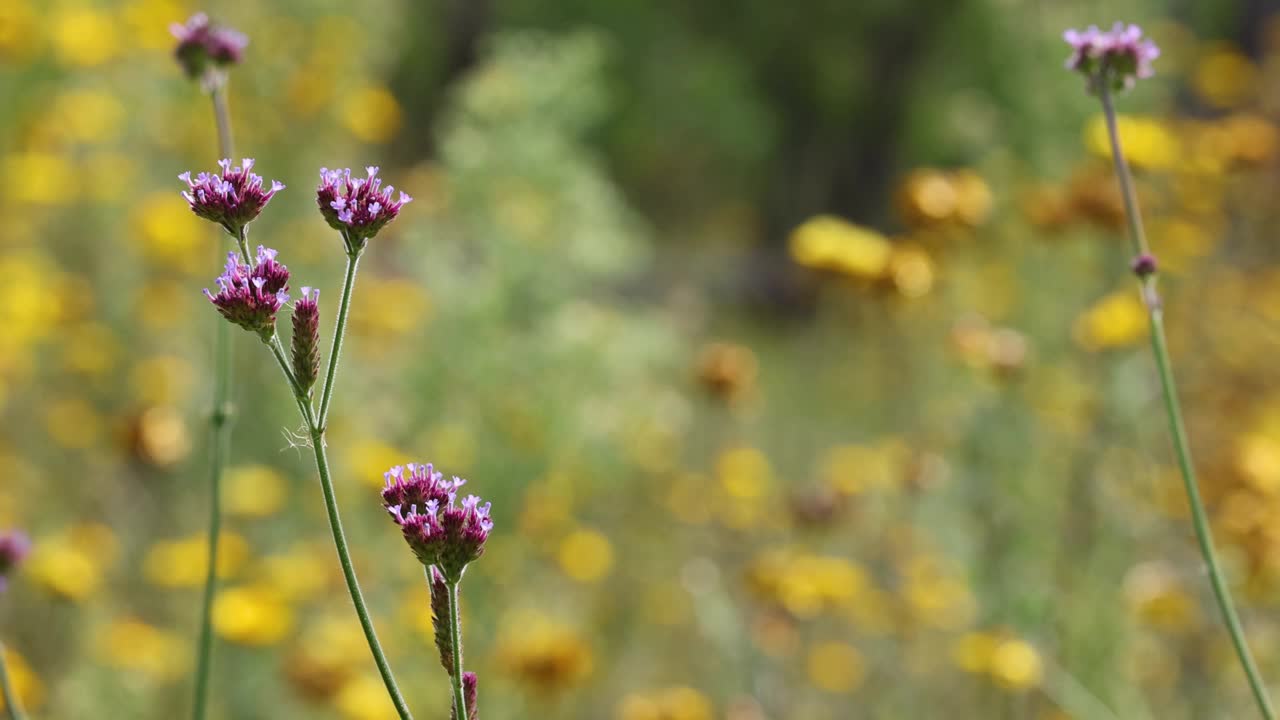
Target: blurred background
(793, 343)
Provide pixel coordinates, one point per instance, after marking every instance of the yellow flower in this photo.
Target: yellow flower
(973, 651)
(26, 685)
(154, 654)
(830, 243)
(329, 652)
(83, 36)
(586, 556)
(252, 615)
(413, 309)
(73, 423)
(1156, 597)
(1258, 459)
(159, 436)
(19, 31)
(302, 572)
(255, 491)
(1146, 141)
(912, 271)
(162, 380)
(674, 703)
(1117, 320)
(836, 667)
(372, 114)
(370, 458)
(1224, 78)
(147, 22)
(86, 116)
(47, 178)
(744, 472)
(1015, 665)
(182, 563)
(62, 567)
(855, 469)
(542, 653)
(365, 698)
(170, 233)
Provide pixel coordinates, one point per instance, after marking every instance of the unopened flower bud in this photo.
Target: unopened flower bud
(306, 338)
(232, 198)
(440, 618)
(357, 207)
(251, 296)
(14, 546)
(469, 688)
(1144, 265)
(203, 46)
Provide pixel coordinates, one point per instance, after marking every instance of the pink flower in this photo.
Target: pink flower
(251, 296)
(357, 207)
(202, 45)
(1119, 57)
(232, 198)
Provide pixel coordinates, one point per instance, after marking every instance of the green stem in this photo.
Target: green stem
(455, 641)
(11, 702)
(339, 537)
(220, 443)
(1177, 428)
(339, 331)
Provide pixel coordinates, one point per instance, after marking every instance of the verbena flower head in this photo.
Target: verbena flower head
(1118, 57)
(203, 45)
(232, 198)
(441, 530)
(306, 338)
(251, 296)
(357, 207)
(14, 546)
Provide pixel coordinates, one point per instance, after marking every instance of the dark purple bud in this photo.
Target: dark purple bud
(14, 547)
(203, 46)
(440, 618)
(469, 687)
(233, 198)
(306, 338)
(357, 207)
(251, 296)
(1144, 265)
(1119, 57)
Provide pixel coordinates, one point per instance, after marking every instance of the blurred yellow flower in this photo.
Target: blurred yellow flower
(1117, 320)
(937, 597)
(674, 703)
(1147, 142)
(159, 436)
(855, 469)
(73, 423)
(90, 349)
(147, 22)
(107, 176)
(1015, 664)
(586, 555)
(451, 445)
(47, 178)
(836, 667)
(368, 459)
(372, 114)
(972, 651)
(182, 563)
(170, 233)
(912, 271)
(252, 615)
(1224, 77)
(686, 498)
(154, 654)
(85, 115)
(63, 568)
(19, 31)
(365, 698)
(744, 472)
(1258, 459)
(83, 36)
(162, 379)
(805, 584)
(826, 242)
(930, 197)
(254, 491)
(408, 297)
(329, 652)
(26, 684)
(542, 653)
(1156, 597)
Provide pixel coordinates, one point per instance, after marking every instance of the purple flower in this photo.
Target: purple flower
(441, 531)
(1119, 57)
(14, 546)
(251, 296)
(306, 338)
(232, 199)
(357, 207)
(202, 44)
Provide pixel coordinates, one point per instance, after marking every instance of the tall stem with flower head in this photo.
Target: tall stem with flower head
(14, 547)
(1112, 61)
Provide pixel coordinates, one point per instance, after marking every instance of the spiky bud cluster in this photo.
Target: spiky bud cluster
(251, 296)
(232, 198)
(470, 685)
(1119, 57)
(440, 618)
(305, 345)
(204, 46)
(357, 207)
(14, 547)
(440, 530)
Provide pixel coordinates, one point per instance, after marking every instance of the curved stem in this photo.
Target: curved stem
(1177, 427)
(339, 331)
(339, 536)
(12, 704)
(455, 640)
(220, 444)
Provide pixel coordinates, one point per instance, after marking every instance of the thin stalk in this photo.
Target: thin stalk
(11, 702)
(1177, 427)
(339, 331)
(455, 641)
(220, 443)
(339, 536)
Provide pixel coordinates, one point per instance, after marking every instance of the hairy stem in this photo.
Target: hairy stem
(316, 433)
(1177, 428)
(13, 706)
(219, 442)
(455, 640)
(339, 331)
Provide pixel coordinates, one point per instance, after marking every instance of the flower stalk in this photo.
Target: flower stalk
(1112, 62)
(12, 705)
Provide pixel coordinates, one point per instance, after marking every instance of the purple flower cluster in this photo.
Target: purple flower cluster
(305, 343)
(233, 198)
(1119, 57)
(357, 207)
(14, 546)
(441, 531)
(251, 296)
(202, 44)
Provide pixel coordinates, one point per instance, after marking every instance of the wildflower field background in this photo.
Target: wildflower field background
(794, 344)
